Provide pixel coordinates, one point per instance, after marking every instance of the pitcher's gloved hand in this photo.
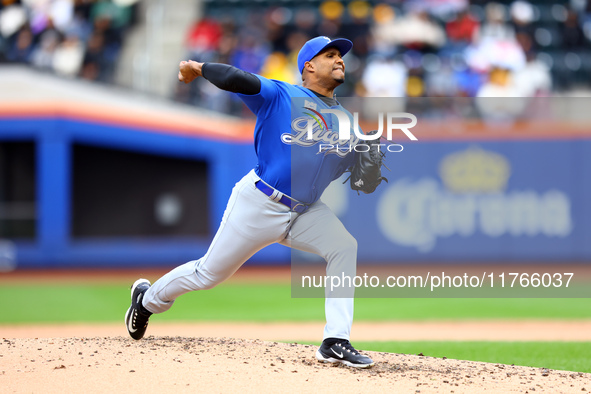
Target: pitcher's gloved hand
(366, 173)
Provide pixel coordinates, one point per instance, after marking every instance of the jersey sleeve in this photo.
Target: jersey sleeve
(262, 103)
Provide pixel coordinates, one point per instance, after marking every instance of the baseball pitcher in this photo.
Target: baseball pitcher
(279, 200)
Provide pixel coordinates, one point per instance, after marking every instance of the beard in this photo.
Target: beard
(338, 77)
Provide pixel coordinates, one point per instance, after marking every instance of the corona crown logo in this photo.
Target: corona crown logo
(475, 171)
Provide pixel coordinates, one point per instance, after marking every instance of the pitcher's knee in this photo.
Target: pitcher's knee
(344, 246)
(351, 246)
(208, 280)
(209, 284)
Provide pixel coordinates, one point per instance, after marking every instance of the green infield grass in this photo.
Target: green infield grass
(567, 356)
(35, 303)
(94, 302)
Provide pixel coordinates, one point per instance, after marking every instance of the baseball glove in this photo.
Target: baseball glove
(366, 173)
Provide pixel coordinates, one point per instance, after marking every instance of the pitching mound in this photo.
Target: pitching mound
(180, 364)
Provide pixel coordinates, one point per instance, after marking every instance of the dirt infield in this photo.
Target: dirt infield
(201, 357)
(181, 364)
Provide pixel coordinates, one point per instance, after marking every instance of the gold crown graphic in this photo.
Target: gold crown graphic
(475, 170)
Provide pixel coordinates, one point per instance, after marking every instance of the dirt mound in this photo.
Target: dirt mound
(181, 364)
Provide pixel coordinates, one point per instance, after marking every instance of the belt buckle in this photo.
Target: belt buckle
(299, 208)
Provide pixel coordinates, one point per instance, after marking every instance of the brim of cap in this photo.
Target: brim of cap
(342, 44)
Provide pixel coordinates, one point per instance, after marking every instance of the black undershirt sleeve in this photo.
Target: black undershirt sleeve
(231, 78)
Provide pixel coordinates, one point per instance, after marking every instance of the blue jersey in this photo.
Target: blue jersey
(287, 160)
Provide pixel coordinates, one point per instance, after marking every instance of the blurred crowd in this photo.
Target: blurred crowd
(410, 48)
(72, 38)
(420, 48)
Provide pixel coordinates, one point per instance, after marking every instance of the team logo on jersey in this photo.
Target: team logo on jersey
(311, 105)
(310, 126)
(320, 121)
(313, 129)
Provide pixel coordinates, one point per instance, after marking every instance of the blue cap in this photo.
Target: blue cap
(316, 45)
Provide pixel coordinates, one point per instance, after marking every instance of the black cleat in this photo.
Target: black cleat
(136, 318)
(343, 352)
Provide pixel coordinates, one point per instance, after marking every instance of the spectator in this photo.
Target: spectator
(500, 84)
(42, 55)
(23, 46)
(93, 64)
(109, 21)
(463, 28)
(490, 52)
(499, 100)
(494, 26)
(276, 21)
(442, 82)
(534, 79)
(573, 37)
(250, 53)
(305, 22)
(332, 18)
(383, 16)
(586, 19)
(68, 57)
(413, 31)
(84, 38)
(228, 41)
(385, 77)
(79, 25)
(496, 45)
(55, 35)
(203, 39)
(356, 30)
(12, 18)
(277, 66)
(522, 15)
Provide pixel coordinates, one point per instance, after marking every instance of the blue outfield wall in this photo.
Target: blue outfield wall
(497, 201)
(517, 200)
(54, 247)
